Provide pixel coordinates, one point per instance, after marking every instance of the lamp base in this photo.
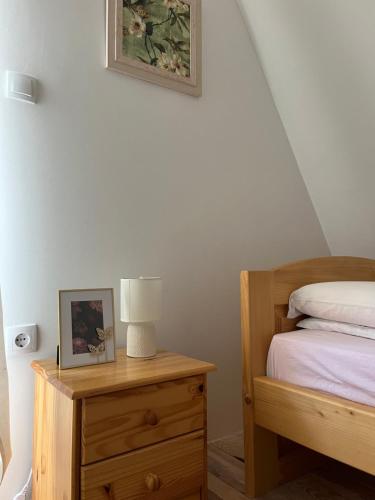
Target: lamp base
(141, 341)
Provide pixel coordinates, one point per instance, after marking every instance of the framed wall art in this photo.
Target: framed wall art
(156, 40)
(86, 327)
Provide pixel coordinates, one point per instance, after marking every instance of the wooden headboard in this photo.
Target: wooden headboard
(265, 296)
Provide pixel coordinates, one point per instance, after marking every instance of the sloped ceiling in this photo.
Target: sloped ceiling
(319, 60)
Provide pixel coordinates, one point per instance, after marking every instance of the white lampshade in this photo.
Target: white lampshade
(141, 300)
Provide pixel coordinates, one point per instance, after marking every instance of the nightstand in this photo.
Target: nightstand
(132, 429)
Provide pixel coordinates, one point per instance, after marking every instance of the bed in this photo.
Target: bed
(341, 365)
(289, 429)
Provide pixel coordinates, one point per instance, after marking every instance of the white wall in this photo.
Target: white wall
(108, 177)
(318, 59)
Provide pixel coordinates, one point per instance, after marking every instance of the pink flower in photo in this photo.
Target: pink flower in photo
(97, 305)
(79, 329)
(76, 309)
(79, 345)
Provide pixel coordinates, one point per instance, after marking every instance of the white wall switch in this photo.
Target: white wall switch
(21, 87)
(21, 339)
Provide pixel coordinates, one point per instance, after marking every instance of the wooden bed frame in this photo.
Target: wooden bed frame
(275, 410)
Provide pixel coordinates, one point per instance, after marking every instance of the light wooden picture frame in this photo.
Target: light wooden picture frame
(158, 41)
(86, 327)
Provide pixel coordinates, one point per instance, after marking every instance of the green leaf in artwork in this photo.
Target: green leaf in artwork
(179, 43)
(143, 60)
(179, 24)
(183, 22)
(160, 47)
(142, 3)
(172, 42)
(149, 28)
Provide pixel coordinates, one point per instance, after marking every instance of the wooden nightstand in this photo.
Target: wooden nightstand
(132, 429)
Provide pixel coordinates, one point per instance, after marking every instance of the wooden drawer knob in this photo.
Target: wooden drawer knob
(152, 482)
(151, 418)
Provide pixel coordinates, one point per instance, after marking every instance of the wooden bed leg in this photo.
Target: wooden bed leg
(261, 456)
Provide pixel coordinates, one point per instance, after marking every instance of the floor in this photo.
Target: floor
(226, 478)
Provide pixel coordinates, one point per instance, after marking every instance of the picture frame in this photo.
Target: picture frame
(86, 327)
(158, 41)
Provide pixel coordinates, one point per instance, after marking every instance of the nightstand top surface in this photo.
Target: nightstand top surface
(124, 373)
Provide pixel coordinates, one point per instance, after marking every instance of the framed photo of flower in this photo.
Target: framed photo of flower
(86, 327)
(156, 40)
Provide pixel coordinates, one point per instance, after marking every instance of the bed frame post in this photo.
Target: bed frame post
(258, 326)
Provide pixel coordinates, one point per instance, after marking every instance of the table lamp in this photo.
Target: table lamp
(140, 307)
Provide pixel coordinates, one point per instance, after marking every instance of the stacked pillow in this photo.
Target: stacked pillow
(342, 306)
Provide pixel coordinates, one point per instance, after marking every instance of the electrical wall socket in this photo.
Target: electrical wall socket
(21, 339)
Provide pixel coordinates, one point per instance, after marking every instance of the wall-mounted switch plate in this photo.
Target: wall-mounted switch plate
(21, 87)
(21, 339)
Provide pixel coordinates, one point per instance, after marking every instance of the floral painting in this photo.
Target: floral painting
(158, 41)
(157, 33)
(87, 317)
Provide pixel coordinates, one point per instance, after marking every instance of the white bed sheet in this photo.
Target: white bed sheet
(332, 362)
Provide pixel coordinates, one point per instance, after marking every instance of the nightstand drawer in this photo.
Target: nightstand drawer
(170, 470)
(127, 420)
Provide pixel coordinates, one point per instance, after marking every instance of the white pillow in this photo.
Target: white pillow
(343, 301)
(335, 326)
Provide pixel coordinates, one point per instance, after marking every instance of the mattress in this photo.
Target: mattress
(332, 362)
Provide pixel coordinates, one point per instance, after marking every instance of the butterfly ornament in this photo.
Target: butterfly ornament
(96, 349)
(102, 335)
